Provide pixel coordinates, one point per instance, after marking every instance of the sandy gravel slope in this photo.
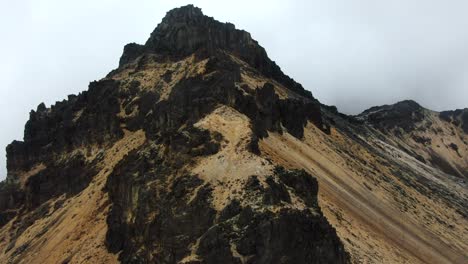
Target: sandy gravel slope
(368, 212)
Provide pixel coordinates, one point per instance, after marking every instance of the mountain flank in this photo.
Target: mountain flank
(199, 149)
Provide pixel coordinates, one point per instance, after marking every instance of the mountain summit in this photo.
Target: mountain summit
(185, 30)
(199, 149)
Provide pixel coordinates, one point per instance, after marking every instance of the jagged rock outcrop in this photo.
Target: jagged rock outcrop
(404, 115)
(458, 117)
(182, 225)
(186, 30)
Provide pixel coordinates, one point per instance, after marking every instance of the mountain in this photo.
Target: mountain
(199, 149)
(431, 137)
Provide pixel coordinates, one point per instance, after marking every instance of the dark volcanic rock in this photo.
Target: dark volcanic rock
(50, 137)
(11, 198)
(89, 118)
(69, 177)
(153, 218)
(290, 236)
(161, 222)
(304, 186)
(405, 115)
(185, 30)
(457, 117)
(130, 53)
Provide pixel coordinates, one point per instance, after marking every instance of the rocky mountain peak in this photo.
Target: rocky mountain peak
(405, 106)
(185, 15)
(186, 12)
(186, 30)
(404, 114)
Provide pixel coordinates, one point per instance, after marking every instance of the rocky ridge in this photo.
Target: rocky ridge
(431, 137)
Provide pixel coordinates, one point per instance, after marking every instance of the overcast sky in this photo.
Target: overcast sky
(350, 53)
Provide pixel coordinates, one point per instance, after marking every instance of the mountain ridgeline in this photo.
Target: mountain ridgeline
(199, 149)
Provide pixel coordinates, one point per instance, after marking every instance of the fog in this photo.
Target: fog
(351, 53)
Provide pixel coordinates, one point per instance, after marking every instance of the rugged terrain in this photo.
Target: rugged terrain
(199, 149)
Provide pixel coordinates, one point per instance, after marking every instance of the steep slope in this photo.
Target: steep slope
(158, 162)
(198, 149)
(386, 205)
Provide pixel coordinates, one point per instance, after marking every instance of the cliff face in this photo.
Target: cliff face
(198, 149)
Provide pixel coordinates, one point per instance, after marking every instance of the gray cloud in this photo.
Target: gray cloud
(353, 54)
